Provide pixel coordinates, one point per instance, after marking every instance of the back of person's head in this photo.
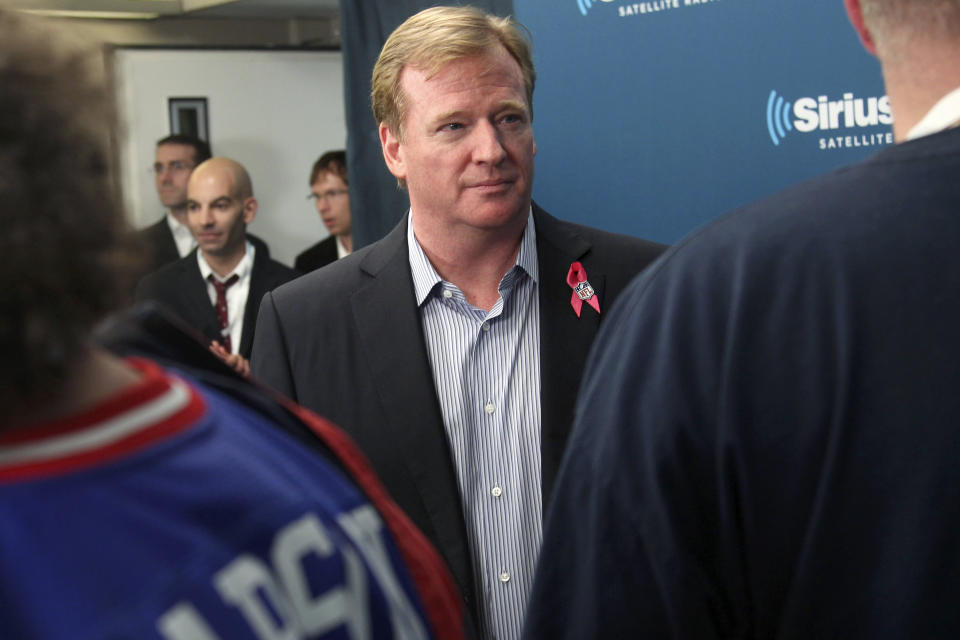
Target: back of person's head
(435, 37)
(61, 218)
(897, 24)
(201, 150)
(334, 162)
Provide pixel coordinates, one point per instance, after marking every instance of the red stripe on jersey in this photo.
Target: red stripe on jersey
(109, 431)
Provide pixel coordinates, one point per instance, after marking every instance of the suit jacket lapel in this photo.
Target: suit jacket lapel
(565, 339)
(258, 286)
(388, 322)
(162, 243)
(198, 308)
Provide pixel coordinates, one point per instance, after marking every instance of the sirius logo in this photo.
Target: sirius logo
(812, 114)
(584, 5)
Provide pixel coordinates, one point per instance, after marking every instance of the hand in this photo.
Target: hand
(233, 360)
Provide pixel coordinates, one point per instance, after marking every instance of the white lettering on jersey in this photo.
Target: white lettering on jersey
(238, 584)
(182, 622)
(297, 613)
(363, 526)
(345, 604)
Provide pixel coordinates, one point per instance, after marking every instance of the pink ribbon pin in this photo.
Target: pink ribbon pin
(582, 291)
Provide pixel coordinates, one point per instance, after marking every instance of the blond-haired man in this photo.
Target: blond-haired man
(452, 349)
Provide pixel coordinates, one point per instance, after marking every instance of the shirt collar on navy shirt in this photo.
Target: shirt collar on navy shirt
(943, 115)
(426, 279)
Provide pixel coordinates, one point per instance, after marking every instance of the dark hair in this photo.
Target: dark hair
(334, 162)
(201, 150)
(63, 227)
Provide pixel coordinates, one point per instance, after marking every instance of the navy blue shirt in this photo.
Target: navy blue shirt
(768, 433)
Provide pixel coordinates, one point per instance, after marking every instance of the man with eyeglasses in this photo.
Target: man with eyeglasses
(328, 190)
(169, 239)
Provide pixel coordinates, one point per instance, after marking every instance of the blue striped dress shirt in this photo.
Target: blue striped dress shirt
(486, 369)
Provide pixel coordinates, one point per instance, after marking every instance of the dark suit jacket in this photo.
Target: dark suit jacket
(159, 244)
(319, 255)
(347, 342)
(181, 288)
(161, 249)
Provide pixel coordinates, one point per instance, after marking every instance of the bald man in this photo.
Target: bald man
(216, 289)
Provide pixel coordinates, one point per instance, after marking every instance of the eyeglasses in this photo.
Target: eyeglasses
(176, 167)
(327, 195)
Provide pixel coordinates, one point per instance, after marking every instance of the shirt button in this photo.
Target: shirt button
(504, 576)
(447, 294)
(489, 408)
(485, 326)
(497, 492)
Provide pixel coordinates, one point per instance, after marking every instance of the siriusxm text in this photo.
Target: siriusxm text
(824, 114)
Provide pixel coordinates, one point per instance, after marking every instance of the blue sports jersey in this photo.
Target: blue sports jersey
(173, 512)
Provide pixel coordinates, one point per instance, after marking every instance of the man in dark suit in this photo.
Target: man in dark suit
(328, 190)
(169, 239)
(766, 442)
(451, 350)
(217, 288)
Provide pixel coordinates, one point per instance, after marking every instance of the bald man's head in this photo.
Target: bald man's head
(220, 205)
(226, 169)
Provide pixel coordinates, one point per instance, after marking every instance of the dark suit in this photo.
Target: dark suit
(158, 241)
(319, 255)
(161, 249)
(181, 288)
(347, 342)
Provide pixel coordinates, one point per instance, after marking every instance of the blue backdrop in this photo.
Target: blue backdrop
(652, 118)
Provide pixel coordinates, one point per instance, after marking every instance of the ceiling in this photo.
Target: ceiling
(131, 9)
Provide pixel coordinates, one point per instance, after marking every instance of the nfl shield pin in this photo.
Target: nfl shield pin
(584, 290)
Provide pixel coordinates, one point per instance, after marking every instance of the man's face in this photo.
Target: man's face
(172, 168)
(332, 198)
(217, 217)
(468, 147)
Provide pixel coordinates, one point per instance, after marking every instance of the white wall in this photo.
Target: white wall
(273, 111)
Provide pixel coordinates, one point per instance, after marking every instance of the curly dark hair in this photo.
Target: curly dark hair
(63, 230)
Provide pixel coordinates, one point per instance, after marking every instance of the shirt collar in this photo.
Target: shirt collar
(176, 227)
(341, 250)
(944, 114)
(425, 277)
(241, 270)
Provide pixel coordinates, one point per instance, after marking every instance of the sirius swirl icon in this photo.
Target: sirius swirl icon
(778, 120)
(584, 6)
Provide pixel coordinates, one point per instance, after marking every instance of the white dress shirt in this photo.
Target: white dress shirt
(341, 249)
(486, 370)
(236, 294)
(181, 235)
